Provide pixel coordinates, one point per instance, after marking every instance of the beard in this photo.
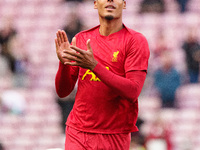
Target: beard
(109, 17)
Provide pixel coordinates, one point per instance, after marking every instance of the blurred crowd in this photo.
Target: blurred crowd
(164, 74)
(14, 59)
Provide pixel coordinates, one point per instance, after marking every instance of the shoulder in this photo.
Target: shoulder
(84, 35)
(135, 35)
(88, 32)
(137, 41)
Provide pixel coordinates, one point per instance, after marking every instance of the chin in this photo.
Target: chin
(109, 17)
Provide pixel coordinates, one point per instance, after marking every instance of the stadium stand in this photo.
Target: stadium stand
(37, 22)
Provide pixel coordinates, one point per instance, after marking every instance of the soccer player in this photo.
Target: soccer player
(110, 63)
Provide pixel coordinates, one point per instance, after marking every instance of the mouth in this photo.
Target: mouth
(110, 7)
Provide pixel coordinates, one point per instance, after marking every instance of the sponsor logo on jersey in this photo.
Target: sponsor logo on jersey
(93, 76)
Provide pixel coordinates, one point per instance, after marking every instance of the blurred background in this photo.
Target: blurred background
(32, 116)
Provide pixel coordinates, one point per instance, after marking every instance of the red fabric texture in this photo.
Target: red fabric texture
(78, 140)
(107, 98)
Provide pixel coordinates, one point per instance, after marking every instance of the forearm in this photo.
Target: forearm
(64, 81)
(129, 87)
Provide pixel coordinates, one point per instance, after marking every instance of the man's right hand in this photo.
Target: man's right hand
(62, 43)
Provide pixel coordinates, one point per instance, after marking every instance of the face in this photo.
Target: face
(110, 9)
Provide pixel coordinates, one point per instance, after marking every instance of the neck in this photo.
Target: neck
(108, 27)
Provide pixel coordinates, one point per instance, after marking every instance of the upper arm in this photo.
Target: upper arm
(137, 54)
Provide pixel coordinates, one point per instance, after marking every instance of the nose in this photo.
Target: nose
(110, 0)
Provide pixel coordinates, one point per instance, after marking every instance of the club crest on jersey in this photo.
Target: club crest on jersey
(115, 55)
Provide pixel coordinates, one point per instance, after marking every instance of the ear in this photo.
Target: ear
(95, 4)
(124, 7)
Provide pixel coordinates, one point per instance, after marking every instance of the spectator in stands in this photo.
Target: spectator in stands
(157, 6)
(183, 5)
(160, 45)
(1, 146)
(21, 61)
(7, 33)
(3, 67)
(73, 26)
(13, 52)
(191, 47)
(167, 79)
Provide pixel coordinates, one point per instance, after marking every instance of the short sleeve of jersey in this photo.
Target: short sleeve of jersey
(137, 53)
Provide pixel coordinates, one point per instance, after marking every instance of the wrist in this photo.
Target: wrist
(62, 65)
(93, 66)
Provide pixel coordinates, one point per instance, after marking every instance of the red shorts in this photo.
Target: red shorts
(78, 140)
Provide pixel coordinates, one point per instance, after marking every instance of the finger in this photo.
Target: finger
(73, 53)
(74, 41)
(89, 45)
(58, 39)
(71, 63)
(64, 35)
(56, 43)
(61, 36)
(77, 49)
(71, 57)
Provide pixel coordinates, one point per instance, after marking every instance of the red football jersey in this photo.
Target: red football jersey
(98, 108)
